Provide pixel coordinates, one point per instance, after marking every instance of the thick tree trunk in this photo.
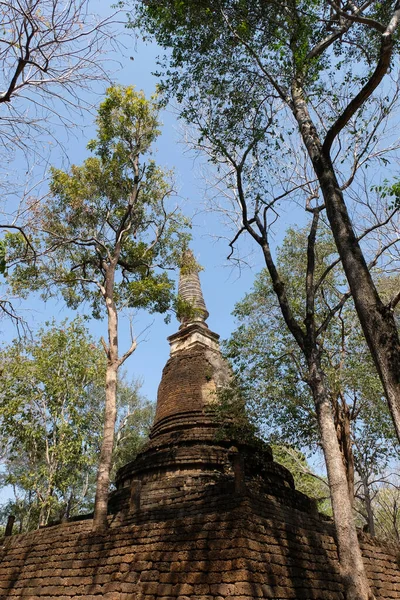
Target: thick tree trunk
(351, 563)
(376, 319)
(103, 475)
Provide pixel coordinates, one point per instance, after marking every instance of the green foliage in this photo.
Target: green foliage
(389, 190)
(109, 219)
(188, 264)
(127, 124)
(272, 370)
(135, 417)
(153, 294)
(220, 47)
(185, 309)
(50, 419)
(231, 412)
(232, 65)
(386, 506)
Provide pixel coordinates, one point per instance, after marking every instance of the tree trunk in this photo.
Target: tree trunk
(103, 474)
(67, 511)
(42, 517)
(351, 563)
(343, 432)
(368, 506)
(376, 319)
(45, 509)
(100, 522)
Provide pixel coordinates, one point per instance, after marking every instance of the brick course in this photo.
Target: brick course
(231, 546)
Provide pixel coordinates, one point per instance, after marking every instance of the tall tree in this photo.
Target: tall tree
(254, 76)
(54, 55)
(308, 313)
(51, 415)
(108, 236)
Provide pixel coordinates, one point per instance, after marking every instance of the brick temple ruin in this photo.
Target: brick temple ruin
(197, 515)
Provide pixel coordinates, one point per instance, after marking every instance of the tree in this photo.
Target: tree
(51, 415)
(134, 421)
(273, 372)
(373, 457)
(51, 52)
(53, 55)
(107, 237)
(50, 421)
(386, 507)
(305, 479)
(309, 303)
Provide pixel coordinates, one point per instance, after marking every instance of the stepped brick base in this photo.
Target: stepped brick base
(211, 545)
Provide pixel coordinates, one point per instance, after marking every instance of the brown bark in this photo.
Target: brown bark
(377, 320)
(351, 563)
(9, 526)
(343, 431)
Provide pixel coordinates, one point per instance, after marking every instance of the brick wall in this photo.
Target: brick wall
(216, 547)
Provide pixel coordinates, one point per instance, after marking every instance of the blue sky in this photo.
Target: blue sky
(223, 284)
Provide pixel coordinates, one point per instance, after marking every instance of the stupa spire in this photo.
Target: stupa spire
(189, 290)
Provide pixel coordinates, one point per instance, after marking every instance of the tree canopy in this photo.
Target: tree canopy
(111, 208)
(274, 93)
(51, 420)
(286, 96)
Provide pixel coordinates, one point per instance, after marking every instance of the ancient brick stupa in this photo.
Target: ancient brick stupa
(200, 514)
(189, 448)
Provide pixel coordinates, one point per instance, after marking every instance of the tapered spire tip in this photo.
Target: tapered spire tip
(193, 308)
